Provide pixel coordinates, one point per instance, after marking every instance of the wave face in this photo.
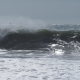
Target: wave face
(24, 39)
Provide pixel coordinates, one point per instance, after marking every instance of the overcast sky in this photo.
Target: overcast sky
(51, 11)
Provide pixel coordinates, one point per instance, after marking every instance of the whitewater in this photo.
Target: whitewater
(33, 51)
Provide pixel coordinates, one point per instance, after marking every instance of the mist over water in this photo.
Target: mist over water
(15, 22)
(20, 22)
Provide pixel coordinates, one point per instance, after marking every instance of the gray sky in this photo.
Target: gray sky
(51, 11)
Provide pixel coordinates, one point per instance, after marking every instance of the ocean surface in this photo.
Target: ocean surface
(50, 52)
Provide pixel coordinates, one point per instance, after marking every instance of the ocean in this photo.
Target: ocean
(49, 52)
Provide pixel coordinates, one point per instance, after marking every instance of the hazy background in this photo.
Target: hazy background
(49, 11)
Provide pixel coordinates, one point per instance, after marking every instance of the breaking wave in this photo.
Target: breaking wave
(24, 39)
(56, 38)
(27, 34)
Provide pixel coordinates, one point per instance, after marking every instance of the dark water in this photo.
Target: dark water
(24, 39)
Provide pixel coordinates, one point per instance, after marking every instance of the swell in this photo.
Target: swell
(39, 39)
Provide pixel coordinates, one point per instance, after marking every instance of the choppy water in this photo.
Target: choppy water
(38, 65)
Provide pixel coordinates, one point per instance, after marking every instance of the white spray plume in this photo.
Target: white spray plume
(20, 23)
